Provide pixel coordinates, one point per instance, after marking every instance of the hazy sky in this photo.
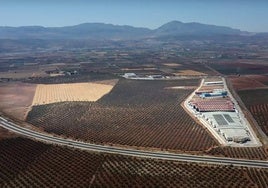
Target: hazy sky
(249, 15)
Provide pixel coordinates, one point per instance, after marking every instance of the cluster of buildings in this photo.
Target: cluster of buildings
(212, 104)
(139, 77)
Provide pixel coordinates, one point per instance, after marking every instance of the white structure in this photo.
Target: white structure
(129, 75)
(239, 135)
(213, 83)
(228, 124)
(230, 128)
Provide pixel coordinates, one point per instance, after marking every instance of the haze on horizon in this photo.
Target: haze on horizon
(245, 15)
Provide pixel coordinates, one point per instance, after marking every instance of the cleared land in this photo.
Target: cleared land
(134, 113)
(22, 74)
(46, 94)
(16, 98)
(66, 167)
(257, 103)
(172, 64)
(238, 67)
(189, 73)
(249, 81)
(138, 69)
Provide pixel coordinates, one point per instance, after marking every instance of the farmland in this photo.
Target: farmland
(16, 99)
(257, 103)
(73, 89)
(249, 81)
(134, 113)
(46, 94)
(241, 68)
(189, 73)
(65, 167)
(259, 153)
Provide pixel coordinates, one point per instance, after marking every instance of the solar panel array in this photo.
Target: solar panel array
(220, 119)
(228, 118)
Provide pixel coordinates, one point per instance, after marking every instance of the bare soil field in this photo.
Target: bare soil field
(172, 64)
(138, 69)
(111, 82)
(261, 78)
(16, 98)
(242, 68)
(248, 81)
(189, 73)
(46, 94)
(23, 163)
(22, 74)
(4, 134)
(257, 103)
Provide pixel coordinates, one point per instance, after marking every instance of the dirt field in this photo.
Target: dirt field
(16, 99)
(138, 69)
(172, 64)
(248, 81)
(189, 73)
(22, 74)
(46, 94)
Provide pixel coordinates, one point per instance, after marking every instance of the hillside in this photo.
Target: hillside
(114, 32)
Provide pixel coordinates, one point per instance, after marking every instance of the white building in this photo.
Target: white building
(228, 124)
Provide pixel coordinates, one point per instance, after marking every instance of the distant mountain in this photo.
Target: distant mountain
(114, 32)
(176, 28)
(82, 31)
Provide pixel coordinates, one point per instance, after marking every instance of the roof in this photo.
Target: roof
(235, 133)
(224, 120)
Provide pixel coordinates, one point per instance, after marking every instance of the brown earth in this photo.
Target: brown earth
(248, 81)
(51, 93)
(189, 73)
(172, 64)
(16, 98)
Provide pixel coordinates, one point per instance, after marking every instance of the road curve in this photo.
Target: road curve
(130, 152)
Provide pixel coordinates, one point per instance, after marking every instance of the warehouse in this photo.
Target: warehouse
(239, 135)
(213, 105)
(129, 75)
(213, 83)
(228, 124)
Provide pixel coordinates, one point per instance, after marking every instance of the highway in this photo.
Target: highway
(129, 152)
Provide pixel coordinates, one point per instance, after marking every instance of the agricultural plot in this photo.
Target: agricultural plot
(46, 94)
(172, 64)
(259, 153)
(23, 163)
(189, 73)
(249, 81)
(236, 67)
(79, 78)
(16, 99)
(257, 103)
(192, 69)
(134, 113)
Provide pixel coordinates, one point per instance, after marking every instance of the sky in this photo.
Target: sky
(247, 15)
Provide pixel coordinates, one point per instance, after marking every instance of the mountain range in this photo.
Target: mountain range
(116, 32)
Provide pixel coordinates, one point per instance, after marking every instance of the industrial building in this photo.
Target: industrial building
(213, 83)
(228, 124)
(212, 104)
(129, 75)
